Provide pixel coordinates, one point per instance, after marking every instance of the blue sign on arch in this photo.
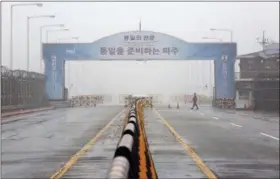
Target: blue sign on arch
(140, 45)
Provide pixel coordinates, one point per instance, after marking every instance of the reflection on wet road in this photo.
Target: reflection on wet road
(231, 145)
(39, 144)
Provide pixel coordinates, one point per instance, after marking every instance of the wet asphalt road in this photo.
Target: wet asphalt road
(37, 145)
(169, 156)
(232, 145)
(96, 162)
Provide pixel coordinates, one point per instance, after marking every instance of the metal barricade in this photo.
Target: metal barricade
(86, 100)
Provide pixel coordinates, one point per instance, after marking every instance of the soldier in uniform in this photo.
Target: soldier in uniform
(194, 101)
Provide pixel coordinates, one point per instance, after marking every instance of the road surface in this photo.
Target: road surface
(35, 146)
(230, 144)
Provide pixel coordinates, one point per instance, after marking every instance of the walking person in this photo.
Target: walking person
(194, 101)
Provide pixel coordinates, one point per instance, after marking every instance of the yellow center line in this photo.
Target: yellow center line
(188, 149)
(78, 155)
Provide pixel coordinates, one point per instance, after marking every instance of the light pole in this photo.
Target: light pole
(28, 33)
(41, 41)
(55, 30)
(212, 38)
(224, 30)
(11, 21)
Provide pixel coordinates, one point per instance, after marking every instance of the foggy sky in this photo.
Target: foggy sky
(92, 21)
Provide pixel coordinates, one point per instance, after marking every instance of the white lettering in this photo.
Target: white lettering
(71, 51)
(136, 51)
(54, 71)
(225, 70)
(137, 37)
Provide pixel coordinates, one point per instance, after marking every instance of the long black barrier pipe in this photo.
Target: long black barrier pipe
(128, 158)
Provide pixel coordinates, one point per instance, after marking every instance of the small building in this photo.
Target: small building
(257, 79)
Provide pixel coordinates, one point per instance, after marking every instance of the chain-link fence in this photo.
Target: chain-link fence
(22, 89)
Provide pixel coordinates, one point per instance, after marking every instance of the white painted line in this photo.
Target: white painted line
(201, 114)
(168, 110)
(235, 125)
(215, 118)
(269, 136)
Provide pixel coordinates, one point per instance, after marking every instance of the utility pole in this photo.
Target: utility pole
(264, 41)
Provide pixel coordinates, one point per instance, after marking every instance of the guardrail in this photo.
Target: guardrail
(132, 157)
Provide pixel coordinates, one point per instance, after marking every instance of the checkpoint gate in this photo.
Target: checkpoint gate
(139, 45)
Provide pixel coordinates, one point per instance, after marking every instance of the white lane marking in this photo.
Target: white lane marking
(168, 110)
(201, 114)
(269, 136)
(215, 118)
(235, 125)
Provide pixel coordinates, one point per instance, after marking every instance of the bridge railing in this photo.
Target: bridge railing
(132, 148)
(22, 89)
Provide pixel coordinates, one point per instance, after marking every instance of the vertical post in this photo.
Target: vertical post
(63, 78)
(140, 26)
(231, 36)
(198, 78)
(11, 38)
(215, 81)
(210, 77)
(10, 88)
(47, 36)
(263, 40)
(41, 49)
(27, 44)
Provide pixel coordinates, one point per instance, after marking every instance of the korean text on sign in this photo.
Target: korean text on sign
(112, 51)
(139, 38)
